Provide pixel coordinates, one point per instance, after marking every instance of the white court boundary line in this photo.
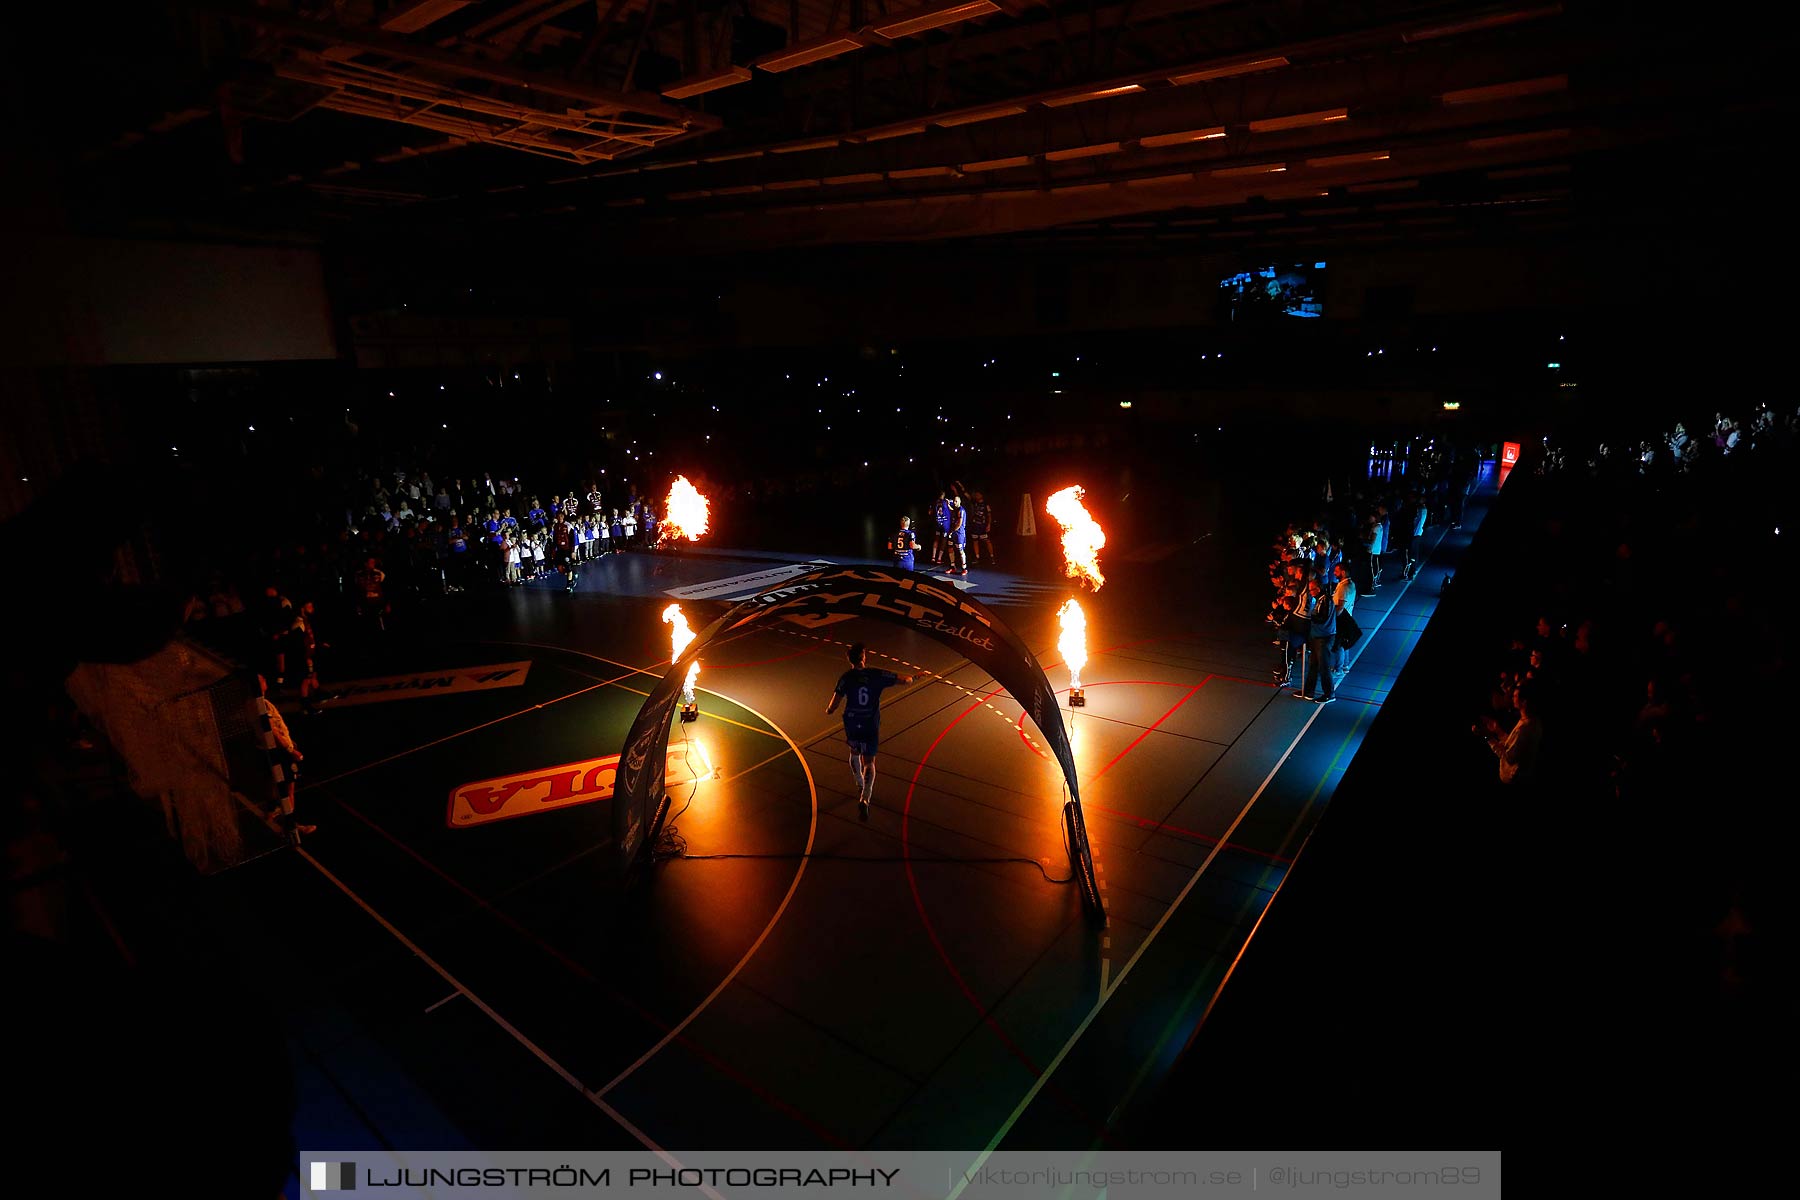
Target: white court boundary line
(597, 1095)
(517, 1035)
(1037, 1085)
(812, 833)
(806, 857)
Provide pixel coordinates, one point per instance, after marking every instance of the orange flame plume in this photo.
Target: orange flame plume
(679, 637)
(1082, 536)
(685, 514)
(1073, 642)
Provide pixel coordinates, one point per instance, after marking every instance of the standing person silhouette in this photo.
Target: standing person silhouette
(940, 520)
(959, 538)
(903, 544)
(859, 689)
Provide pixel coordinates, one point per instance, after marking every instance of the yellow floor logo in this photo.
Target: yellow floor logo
(548, 788)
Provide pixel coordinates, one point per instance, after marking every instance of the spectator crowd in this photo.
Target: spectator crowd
(1351, 546)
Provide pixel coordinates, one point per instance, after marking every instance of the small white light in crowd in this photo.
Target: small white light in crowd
(515, 374)
(1381, 352)
(27, 479)
(1555, 366)
(658, 375)
(1124, 404)
(865, 462)
(252, 429)
(446, 425)
(390, 397)
(1056, 374)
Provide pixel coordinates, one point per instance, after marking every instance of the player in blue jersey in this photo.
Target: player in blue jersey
(940, 520)
(959, 538)
(859, 690)
(903, 544)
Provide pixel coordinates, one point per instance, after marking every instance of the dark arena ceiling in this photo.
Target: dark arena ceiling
(660, 127)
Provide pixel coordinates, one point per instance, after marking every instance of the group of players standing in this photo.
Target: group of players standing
(961, 523)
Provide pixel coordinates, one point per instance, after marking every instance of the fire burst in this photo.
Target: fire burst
(679, 637)
(1082, 536)
(1073, 645)
(685, 514)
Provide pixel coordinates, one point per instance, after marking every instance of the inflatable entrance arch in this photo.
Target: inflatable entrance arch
(824, 597)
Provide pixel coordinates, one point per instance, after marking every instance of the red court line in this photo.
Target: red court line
(912, 882)
(575, 968)
(1019, 721)
(1165, 637)
(1140, 737)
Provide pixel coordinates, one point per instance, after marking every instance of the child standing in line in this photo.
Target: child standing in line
(618, 531)
(509, 557)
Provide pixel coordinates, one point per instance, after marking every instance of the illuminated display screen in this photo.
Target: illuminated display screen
(1282, 290)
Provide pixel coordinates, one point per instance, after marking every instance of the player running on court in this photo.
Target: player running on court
(860, 690)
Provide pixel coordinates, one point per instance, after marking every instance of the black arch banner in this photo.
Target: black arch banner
(825, 597)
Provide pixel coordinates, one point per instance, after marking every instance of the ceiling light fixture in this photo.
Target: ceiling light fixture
(825, 143)
(1158, 140)
(1517, 139)
(951, 120)
(1092, 94)
(1347, 160)
(1224, 72)
(997, 164)
(1508, 91)
(1093, 151)
(809, 52)
(696, 85)
(1300, 120)
(1490, 21)
(890, 131)
(920, 20)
